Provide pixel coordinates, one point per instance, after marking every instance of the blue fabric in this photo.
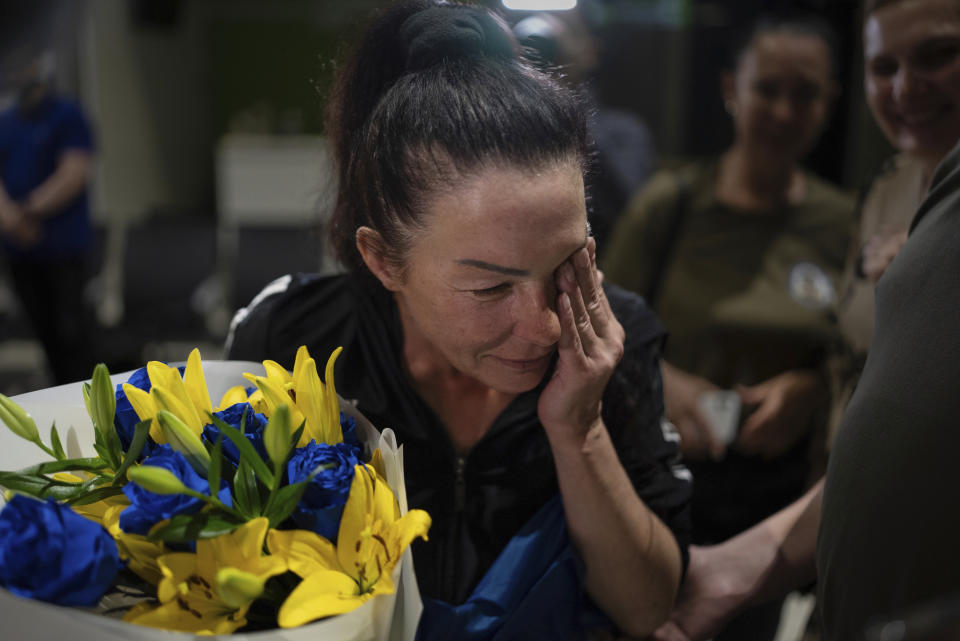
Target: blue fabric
(533, 591)
(30, 149)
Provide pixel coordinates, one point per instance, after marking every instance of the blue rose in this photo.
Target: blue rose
(253, 430)
(51, 553)
(348, 425)
(322, 502)
(147, 508)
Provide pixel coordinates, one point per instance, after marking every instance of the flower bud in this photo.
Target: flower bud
(17, 419)
(156, 479)
(276, 435)
(182, 439)
(237, 588)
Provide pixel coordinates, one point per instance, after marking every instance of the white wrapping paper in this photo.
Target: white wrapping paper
(391, 617)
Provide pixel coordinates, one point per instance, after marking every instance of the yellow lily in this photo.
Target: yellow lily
(141, 552)
(210, 592)
(371, 539)
(318, 401)
(187, 398)
(276, 394)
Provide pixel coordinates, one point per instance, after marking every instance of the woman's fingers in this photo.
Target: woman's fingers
(581, 315)
(595, 301)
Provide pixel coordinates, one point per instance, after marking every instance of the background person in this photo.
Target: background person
(473, 322)
(883, 512)
(740, 256)
(46, 152)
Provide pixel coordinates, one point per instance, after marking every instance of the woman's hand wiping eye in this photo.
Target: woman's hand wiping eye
(590, 346)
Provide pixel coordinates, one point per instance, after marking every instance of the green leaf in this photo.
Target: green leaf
(190, 527)
(55, 442)
(66, 465)
(43, 487)
(297, 434)
(17, 419)
(245, 490)
(95, 495)
(31, 485)
(247, 451)
(284, 501)
(140, 432)
(216, 462)
(104, 453)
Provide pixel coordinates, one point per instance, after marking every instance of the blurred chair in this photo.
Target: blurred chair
(268, 187)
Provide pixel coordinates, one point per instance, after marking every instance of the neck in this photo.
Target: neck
(751, 182)
(928, 163)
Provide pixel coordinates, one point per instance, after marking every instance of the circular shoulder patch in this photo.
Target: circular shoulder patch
(810, 286)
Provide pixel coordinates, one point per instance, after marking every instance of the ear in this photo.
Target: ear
(371, 247)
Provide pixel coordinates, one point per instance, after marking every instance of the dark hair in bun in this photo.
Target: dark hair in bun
(434, 93)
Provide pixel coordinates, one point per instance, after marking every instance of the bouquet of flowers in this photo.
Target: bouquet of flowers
(272, 509)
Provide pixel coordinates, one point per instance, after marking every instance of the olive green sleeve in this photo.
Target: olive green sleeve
(637, 243)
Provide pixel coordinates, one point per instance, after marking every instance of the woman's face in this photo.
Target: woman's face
(912, 74)
(780, 94)
(478, 291)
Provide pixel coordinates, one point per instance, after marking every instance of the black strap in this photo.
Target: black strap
(680, 210)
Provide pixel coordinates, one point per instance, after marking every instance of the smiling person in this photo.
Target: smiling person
(878, 532)
(740, 256)
(473, 319)
(912, 80)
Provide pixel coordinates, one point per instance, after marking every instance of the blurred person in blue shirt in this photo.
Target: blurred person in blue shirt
(46, 150)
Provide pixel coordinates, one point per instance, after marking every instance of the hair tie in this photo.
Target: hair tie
(452, 31)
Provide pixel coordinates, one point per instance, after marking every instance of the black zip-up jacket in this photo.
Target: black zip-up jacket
(477, 502)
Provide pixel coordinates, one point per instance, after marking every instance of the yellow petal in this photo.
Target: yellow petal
(162, 374)
(178, 405)
(140, 552)
(196, 617)
(310, 400)
(176, 568)
(332, 402)
(234, 395)
(413, 524)
(196, 384)
(376, 460)
(168, 379)
(277, 373)
(275, 395)
(236, 548)
(146, 408)
(302, 355)
(258, 402)
(305, 552)
(355, 550)
(324, 593)
(385, 507)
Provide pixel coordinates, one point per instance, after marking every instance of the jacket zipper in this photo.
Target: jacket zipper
(460, 487)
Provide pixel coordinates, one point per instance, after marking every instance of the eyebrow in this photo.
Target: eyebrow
(507, 271)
